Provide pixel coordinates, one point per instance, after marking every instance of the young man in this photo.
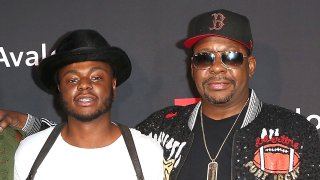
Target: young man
(231, 134)
(84, 73)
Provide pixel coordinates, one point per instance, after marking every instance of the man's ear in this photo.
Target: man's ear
(252, 65)
(114, 86)
(191, 70)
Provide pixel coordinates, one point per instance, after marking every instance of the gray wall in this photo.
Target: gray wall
(286, 45)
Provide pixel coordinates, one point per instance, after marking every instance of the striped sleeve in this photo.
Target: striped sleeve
(35, 124)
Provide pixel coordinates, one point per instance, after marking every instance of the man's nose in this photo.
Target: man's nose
(84, 84)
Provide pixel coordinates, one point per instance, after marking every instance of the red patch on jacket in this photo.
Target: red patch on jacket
(171, 115)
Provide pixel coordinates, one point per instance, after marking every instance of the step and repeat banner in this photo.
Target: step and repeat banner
(286, 45)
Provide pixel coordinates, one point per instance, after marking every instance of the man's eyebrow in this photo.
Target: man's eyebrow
(206, 49)
(108, 70)
(75, 71)
(96, 68)
(72, 71)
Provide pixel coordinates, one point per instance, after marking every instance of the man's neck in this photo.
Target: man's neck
(223, 111)
(94, 134)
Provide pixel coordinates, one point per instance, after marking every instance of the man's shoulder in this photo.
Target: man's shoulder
(37, 138)
(138, 137)
(145, 143)
(281, 113)
(277, 110)
(172, 112)
(29, 148)
(166, 117)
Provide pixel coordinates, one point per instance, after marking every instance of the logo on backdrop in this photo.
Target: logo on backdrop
(17, 59)
(313, 118)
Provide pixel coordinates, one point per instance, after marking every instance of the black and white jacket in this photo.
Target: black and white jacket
(273, 142)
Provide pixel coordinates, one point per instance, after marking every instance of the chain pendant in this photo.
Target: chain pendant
(212, 173)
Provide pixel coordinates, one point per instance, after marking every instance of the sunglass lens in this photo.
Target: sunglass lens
(203, 60)
(232, 59)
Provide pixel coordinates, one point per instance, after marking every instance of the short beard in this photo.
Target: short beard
(89, 117)
(215, 101)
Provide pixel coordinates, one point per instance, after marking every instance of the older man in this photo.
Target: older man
(231, 134)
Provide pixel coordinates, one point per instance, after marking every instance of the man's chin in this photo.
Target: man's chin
(87, 117)
(218, 100)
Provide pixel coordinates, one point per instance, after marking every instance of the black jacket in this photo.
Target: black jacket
(273, 142)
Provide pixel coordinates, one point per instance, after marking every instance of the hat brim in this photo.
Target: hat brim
(189, 43)
(115, 57)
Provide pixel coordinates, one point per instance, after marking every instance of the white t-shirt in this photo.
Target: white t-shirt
(67, 162)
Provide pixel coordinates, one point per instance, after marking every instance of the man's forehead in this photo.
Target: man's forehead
(89, 66)
(218, 44)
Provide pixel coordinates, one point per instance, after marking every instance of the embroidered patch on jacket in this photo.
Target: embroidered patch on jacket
(172, 151)
(276, 156)
(171, 115)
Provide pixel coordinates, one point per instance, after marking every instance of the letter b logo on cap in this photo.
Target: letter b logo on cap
(217, 21)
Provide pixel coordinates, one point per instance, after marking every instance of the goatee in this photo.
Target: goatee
(87, 117)
(215, 100)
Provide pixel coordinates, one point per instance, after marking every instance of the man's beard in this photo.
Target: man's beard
(87, 117)
(215, 100)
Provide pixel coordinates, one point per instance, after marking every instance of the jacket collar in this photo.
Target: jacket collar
(253, 110)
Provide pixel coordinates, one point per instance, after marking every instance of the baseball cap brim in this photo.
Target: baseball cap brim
(189, 43)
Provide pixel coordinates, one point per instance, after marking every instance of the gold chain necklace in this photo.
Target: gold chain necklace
(212, 172)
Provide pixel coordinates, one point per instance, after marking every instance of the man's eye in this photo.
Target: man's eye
(72, 80)
(96, 78)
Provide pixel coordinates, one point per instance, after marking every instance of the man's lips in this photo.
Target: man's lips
(85, 100)
(218, 83)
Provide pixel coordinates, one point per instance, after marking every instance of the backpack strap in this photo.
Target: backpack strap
(45, 149)
(127, 136)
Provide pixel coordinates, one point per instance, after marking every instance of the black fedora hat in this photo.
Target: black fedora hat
(78, 46)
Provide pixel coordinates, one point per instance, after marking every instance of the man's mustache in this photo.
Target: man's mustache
(218, 78)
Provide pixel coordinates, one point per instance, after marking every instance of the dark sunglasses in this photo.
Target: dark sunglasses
(229, 59)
